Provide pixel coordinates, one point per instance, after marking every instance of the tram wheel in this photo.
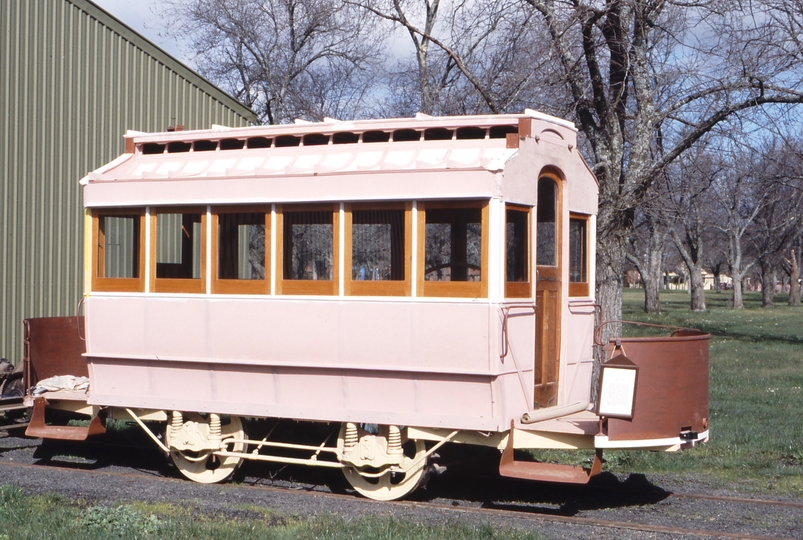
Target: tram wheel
(388, 485)
(203, 466)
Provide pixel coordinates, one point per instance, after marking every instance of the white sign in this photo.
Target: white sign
(617, 391)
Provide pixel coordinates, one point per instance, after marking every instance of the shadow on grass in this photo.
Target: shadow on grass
(753, 337)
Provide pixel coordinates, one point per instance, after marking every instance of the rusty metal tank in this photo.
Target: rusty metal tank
(672, 391)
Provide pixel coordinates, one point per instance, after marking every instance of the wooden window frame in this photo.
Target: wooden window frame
(579, 288)
(520, 289)
(304, 286)
(101, 283)
(178, 285)
(240, 286)
(385, 287)
(454, 289)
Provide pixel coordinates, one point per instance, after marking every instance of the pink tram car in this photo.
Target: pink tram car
(409, 282)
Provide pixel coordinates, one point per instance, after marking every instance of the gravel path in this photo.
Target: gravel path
(113, 471)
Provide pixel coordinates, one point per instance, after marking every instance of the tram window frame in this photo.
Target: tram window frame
(460, 289)
(237, 285)
(324, 287)
(385, 287)
(101, 282)
(190, 285)
(581, 286)
(519, 288)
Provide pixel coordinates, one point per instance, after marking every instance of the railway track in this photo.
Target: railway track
(114, 472)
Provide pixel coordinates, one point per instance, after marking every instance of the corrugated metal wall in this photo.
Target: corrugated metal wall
(72, 80)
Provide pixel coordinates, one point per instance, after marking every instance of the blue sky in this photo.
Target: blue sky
(139, 16)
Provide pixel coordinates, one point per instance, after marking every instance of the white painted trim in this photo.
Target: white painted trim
(209, 250)
(147, 249)
(272, 255)
(414, 247)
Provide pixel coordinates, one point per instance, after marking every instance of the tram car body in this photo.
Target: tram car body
(410, 282)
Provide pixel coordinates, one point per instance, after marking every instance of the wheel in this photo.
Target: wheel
(203, 466)
(387, 485)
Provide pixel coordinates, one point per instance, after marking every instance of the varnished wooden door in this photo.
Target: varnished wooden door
(547, 293)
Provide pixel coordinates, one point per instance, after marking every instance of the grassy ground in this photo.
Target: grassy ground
(756, 394)
(25, 517)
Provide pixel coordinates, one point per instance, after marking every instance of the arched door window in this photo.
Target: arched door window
(546, 218)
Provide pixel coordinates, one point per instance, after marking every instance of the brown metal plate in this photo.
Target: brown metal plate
(54, 346)
(545, 472)
(672, 393)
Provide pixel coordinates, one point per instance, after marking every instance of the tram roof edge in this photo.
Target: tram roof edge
(329, 125)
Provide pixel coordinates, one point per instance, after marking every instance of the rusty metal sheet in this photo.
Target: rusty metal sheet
(54, 346)
(545, 472)
(672, 393)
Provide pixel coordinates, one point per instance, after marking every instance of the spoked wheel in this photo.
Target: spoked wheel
(388, 485)
(203, 466)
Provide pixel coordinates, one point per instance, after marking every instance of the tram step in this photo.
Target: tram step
(545, 472)
(38, 429)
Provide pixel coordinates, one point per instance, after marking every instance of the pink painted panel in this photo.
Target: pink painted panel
(577, 359)
(300, 393)
(277, 330)
(367, 186)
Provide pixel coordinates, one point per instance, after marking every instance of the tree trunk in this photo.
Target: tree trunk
(738, 302)
(652, 298)
(794, 282)
(767, 286)
(610, 271)
(697, 288)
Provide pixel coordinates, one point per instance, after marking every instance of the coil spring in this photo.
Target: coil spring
(177, 421)
(394, 440)
(214, 426)
(351, 437)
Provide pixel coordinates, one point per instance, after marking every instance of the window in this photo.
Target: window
(546, 231)
(119, 258)
(517, 252)
(578, 255)
(179, 245)
(309, 250)
(378, 256)
(453, 249)
(240, 250)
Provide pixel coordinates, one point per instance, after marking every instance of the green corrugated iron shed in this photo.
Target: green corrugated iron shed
(73, 79)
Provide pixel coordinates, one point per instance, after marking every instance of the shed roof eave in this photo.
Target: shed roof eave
(158, 53)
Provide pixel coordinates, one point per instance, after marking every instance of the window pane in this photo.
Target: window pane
(241, 246)
(453, 244)
(546, 230)
(377, 245)
(516, 244)
(307, 240)
(120, 246)
(578, 256)
(178, 245)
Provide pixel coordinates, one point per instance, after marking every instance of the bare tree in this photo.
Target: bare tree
(646, 80)
(469, 57)
(648, 243)
(689, 180)
(285, 59)
(750, 216)
(793, 269)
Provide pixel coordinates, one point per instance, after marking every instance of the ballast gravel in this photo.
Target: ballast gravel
(115, 470)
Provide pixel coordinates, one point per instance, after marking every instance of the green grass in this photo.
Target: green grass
(756, 393)
(26, 517)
